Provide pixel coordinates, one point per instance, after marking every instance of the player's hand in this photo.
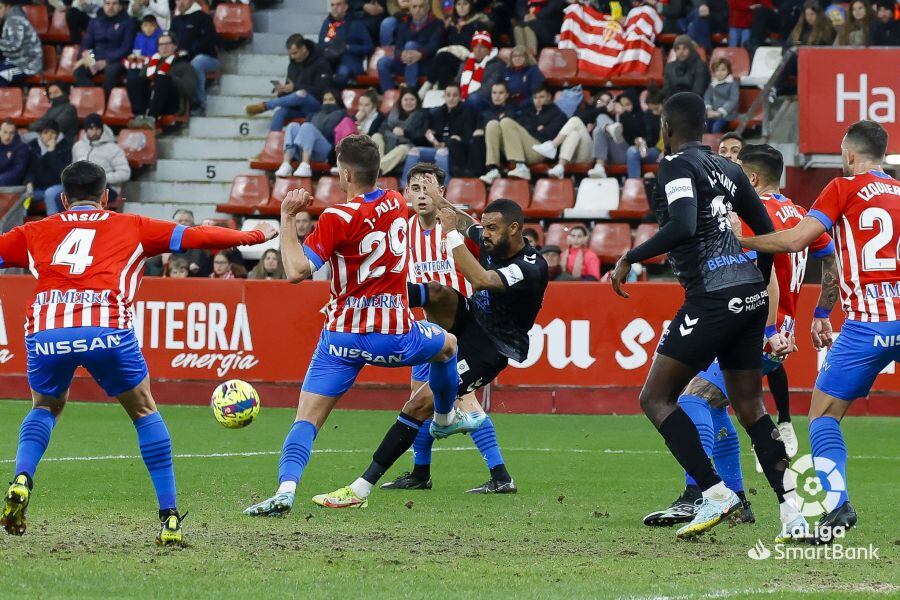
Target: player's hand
(433, 191)
(780, 344)
(448, 219)
(822, 336)
(295, 201)
(735, 221)
(269, 230)
(623, 268)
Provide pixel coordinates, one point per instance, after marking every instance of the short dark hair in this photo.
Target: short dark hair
(510, 210)
(83, 181)
(360, 154)
(686, 114)
(868, 138)
(541, 88)
(295, 39)
(765, 160)
(501, 83)
(149, 19)
(169, 35)
(182, 210)
(453, 84)
(427, 168)
(50, 124)
(655, 96)
(732, 136)
(64, 88)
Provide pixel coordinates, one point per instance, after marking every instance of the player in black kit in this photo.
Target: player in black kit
(724, 312)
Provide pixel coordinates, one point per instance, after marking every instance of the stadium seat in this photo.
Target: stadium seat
(255, 252)
(139, 146)
(535, 228)
(559, 66)
(388, 100)
(58, 32)
(38, 17)
(513, 189)
(595, 198)
(468, 191)
(748, 95)
(50, 61)
(644, 232)
(328, 193)
(350, 98)
(700, 50)
(388, 183)
(740, 60)
(550, 198)
(765, 61)
(87, 100)
(633, 201)
(66, 69)
(118, 108)
(272, 153)
(233, 22)
(558, 234)
(11, 103)
(165, 121)
(712, 140)
(371, 75)
(248, 193)
(610, 241)
(36, 104)
(654, 74)
(282, 186)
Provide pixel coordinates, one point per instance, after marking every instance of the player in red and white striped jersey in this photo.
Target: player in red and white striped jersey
(429, 258)
(88, 263)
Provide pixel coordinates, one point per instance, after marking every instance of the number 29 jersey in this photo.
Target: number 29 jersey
(365, 243)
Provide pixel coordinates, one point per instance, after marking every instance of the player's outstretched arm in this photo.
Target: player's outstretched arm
(296, 264)
(794, 239)
(211, 237)
(821, 325)
(478, 276)
(463, 220)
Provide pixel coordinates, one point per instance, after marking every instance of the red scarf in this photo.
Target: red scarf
(159, 65)
(470, 81)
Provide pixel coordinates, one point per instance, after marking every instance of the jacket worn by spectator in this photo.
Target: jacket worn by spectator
(370, 125)
(110, 38)
(65, 116)
(413, 125)
(495, 113)
(106, 153)
(544, 125)
(349, 35)
(460, 33)
(327, 119)
(429, 35)
(521, 83)
(19, 42)
(313, 74)
(633, 126)
(884, 34)
(13, 162)
(446, 123)
(158, 8)
(46, 167)
(691, 75)
(183, 75)
(195, 32)
(493, 72)
(652, 125)
(723, 96)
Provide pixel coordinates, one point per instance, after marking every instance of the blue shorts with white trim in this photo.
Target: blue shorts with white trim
(860, 352)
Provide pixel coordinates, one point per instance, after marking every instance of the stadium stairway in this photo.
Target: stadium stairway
(197, 164)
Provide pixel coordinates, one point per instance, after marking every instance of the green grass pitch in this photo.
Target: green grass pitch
(574, 530)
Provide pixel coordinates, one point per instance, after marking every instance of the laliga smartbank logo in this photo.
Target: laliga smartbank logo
(804, 477)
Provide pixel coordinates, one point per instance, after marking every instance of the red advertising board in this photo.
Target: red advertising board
(839, 86)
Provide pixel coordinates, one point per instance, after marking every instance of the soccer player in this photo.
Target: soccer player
(691, 203)
(88, 263)
(730, 146)
(863, 210)
(492, 327)
(705, 399)
(368, 319)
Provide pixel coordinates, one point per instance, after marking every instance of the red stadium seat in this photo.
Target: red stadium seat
(87, 100)
(513, 189)
(49, 70)
(371, 76)
(272, 153)
(388, 100)
(248, 193)
(233, 21)
(700, 50)
(712, 140)
(559, 66)
(282, 186)
(536, 229)
(38, 17)
(610, 241)
(350, 98)
(58, 32)
(118, 109)
(748, 96)
(740, 60)
(139, 146)
(558, 234)
(550, 198)
(11, 103)
(328, 193)
(470, 192)
(644, 232)
(633, 201)
(66, 69)
(388, 183)
(36, 105)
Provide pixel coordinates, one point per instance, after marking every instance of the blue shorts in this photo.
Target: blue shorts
(112, 357)
(856, 358)
(339, 357)
(714, 373)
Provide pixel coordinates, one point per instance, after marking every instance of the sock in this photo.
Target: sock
(422, 452)
(361, 487)
(698, 410)
(682, 440)
(726, 451)
(771, 453)
(287, 487)
(156, 450)
(485, 438)
(827, 441)
(418, 294)
(295, 451)
(34, 436)
(396, 441)
(778, 385)
(717, 492)
(444, 382)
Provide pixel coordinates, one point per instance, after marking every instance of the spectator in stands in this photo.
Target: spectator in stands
(769, 20)
(537, 123)
(721, 96)
(20, 46)
(730, 146)
(372, 13)
(269, 265)
(522, 76)
(79, 15)
(539, 22)
(178, 268)
(198, 261)
(740, 18)
(164, 87)
(450, 128)
(531, 237)
(813, 28)
(855, 30)
(222, 267)
(578, 260)
(308, 77)
(885, 30)
(313, 140)
(614, 133)
(146, 44)
(553, 255)
(99, 146)
(368, 117)
(482, 69)
(445, 67)
(345, 42)
(418, 40)
(387, 30)
(647, 148)
(13, 155)
(108, 40)
(688, 72)
(704, 20)
(61, 112)
(574, 144)
(403, 129)
(589, 111)
(303, 224)
(496, 111)
(158, 9)
(196, 34)
(50, 154)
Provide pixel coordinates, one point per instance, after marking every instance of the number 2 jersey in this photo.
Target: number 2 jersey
(864, 213)
(89, 262)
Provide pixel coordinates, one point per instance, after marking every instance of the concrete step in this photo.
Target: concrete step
(231, 106)
(165, 210)
(243, 127)
(269, 65)
(286, 21)
(273, 43)
(181, 194)
(191, 148)
(200, 171)
(247, 85)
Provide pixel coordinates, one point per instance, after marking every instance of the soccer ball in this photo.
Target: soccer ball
(235, 404)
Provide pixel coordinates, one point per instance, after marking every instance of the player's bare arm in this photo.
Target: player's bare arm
(478, 276)
(296, 264)
(790, 240)
(822, 335)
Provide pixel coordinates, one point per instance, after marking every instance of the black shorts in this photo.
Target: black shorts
(729, 325)
(478, 360)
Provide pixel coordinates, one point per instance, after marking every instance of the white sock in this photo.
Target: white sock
(444, 420)
(361, 488)
(788, 511)
(287, 486)
(718, 492)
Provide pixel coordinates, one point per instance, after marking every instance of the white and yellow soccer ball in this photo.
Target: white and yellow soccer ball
(235, 404)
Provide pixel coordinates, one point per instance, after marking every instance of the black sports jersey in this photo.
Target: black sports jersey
(695, 191)
(508, 316)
